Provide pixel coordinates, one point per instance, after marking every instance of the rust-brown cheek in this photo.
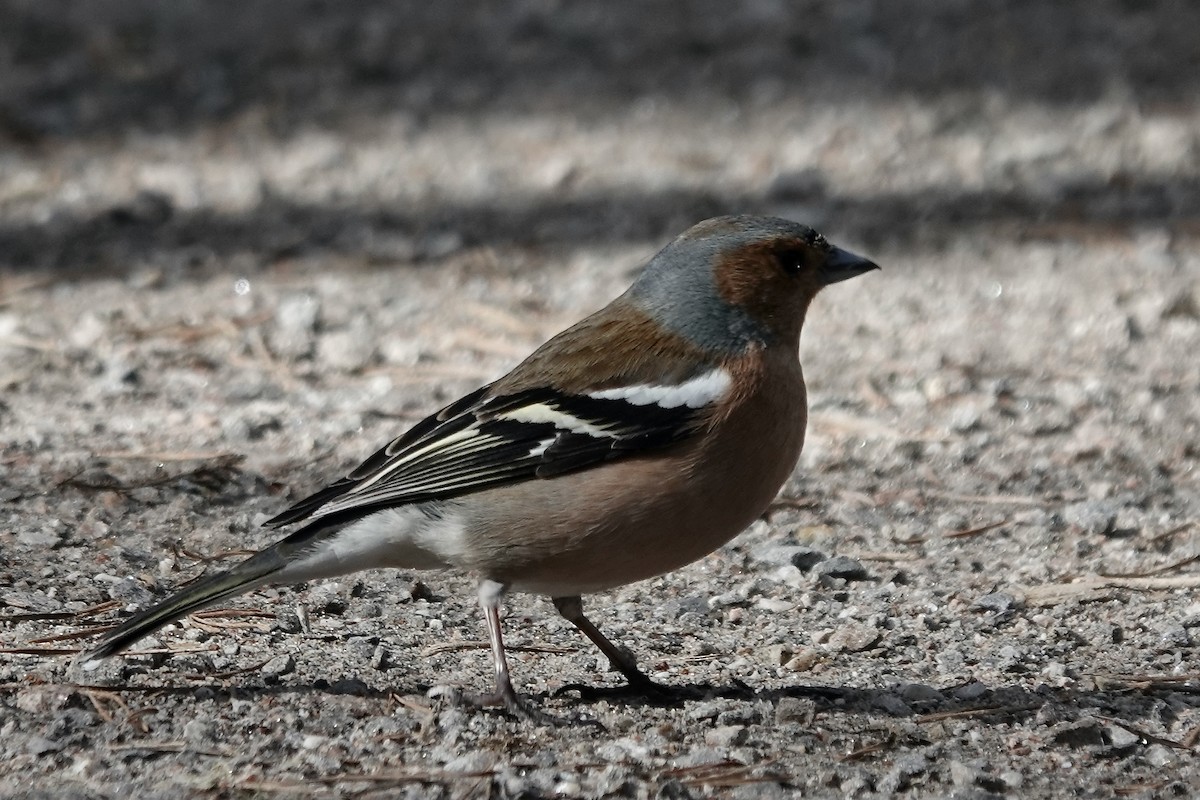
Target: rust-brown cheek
(752, 280)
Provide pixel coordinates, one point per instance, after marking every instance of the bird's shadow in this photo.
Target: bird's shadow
(1124, 704)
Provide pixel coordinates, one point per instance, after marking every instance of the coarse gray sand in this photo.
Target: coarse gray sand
(244, 244)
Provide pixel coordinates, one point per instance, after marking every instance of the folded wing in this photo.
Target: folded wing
(483, 441)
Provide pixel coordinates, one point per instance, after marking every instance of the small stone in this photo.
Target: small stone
(87, 331)
(130, 592)
(1010, 659)
(781, 554)
(790, 575)
(1120, 738)
(1174, 636)
(777, 654)
(40, 746)
(700, 757)
(795, 709)
(41, 699)
(852, 638)
(774, 605)
(705, 710)
(1012, 779)
(843, 567)
(1081, 733)
(198, 731)
(803, 661)
(43, 536)
(1159, 755)
(804, 558)
(30, 601)
(279, 665)
(287, 621)
(725, 736)
(379, 658)
(962, 774)
(996, 602)
(965, 419)
(568, 787)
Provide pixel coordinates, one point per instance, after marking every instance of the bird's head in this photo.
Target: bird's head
(730, 282)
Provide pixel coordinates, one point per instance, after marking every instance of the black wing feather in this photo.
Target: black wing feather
(476, 443)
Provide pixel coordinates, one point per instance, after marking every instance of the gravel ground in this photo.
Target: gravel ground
(243, 244)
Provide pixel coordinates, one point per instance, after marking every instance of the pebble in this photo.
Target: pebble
(379, 658)
(962, 774)
(1120, 738)
(843, 567)
(1160, 755)
(279, 665)
(774, 605)
(795, 709)
(803, 661)
(700, 757)
(130, 592)
(705, 710)
(41, 699)
(852, 638)
(797, 555)
(1010, 658)
(198, 731)
(1085, 732)
(568, 787)
(996, 602)
(725, 736)
(40, 746)
(43, 536)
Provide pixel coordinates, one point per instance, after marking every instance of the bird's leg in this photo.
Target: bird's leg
(571, 609)
(490, 594)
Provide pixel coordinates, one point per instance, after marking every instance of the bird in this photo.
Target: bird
(634, 442)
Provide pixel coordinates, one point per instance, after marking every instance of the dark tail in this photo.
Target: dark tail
(251, 573)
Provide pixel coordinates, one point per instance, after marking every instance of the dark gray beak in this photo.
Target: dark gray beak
(842, 264)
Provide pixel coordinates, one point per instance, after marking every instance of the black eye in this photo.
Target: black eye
(792, 260)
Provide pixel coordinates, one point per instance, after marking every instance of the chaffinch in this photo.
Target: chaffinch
(634, 442)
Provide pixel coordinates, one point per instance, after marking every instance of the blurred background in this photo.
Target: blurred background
(185, 134)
